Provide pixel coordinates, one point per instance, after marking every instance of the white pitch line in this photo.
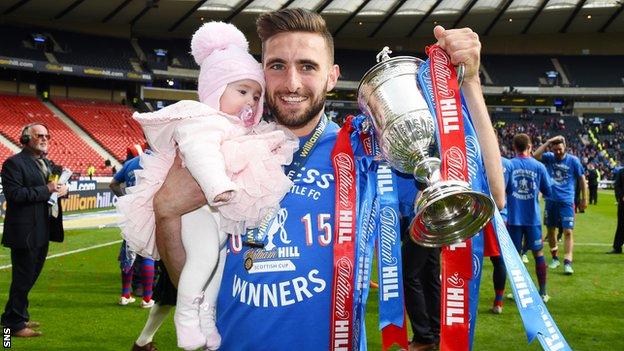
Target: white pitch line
(73, 251)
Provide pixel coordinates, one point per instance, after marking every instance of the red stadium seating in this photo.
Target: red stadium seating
(66, 148)
(5, 152)
(108, 123)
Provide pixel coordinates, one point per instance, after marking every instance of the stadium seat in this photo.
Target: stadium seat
(110, 124)
(66, 148)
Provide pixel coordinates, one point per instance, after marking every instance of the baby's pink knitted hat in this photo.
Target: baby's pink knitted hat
(221, 51)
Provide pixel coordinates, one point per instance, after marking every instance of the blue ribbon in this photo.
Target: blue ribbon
(389, 250)
(535, 316)
(366, 222)
(476, 177)
(478, 182)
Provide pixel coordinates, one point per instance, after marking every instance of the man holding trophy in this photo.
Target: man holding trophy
(316, 279)
(33, 219)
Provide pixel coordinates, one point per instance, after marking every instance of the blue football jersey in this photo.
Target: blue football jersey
(126, 173)
(528, 177)
(563, 174)
(288, 283)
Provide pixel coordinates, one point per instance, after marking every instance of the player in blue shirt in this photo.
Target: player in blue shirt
(126, 176)
(281, 304)
(564, 170)
(527, 179)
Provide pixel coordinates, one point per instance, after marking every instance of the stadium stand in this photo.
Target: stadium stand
(110, 124)
(589, 71)
(94, 51)
(66, 148)
(15, 41)
(178, 53)
(605, 138)
(507, 70)
(538, 127)
(5, 152)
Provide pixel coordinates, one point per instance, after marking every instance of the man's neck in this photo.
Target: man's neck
(35, 153)
(308, 128)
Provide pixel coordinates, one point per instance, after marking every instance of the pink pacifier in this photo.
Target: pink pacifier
(246, 115)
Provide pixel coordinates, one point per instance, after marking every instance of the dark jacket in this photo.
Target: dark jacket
(619, 186)
(592, 177)
(27, 223)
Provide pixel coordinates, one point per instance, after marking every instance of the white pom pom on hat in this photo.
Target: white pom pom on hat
(221, 51)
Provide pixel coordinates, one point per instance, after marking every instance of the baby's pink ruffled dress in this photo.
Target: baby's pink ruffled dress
(221, 154)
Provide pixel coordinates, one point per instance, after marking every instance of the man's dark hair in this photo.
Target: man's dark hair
(521, 142)
(558, 141)
(294, 20)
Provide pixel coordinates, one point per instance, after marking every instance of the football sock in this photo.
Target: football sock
(147, 278)
(540, 271)
(126, 282)
(553, 253)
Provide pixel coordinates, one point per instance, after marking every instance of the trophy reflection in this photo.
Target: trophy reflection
(447, 211)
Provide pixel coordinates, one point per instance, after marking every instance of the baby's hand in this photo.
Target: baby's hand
(224, 197)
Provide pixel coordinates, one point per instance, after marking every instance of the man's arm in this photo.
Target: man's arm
(463, 46)
(537, 154)
(14, 188)
(584, 192)
(115, 186)
(545, 182)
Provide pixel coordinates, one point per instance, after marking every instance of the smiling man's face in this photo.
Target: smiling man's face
(299, 72)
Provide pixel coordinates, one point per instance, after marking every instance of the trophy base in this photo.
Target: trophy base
(449, 212)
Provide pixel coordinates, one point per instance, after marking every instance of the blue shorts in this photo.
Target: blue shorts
(559, 214)
(532, 233)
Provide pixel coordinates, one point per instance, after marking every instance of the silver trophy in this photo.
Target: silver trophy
(447, 212)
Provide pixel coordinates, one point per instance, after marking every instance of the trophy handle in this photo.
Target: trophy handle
(461, 71)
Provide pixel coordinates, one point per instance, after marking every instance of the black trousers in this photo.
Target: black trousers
(593, 194)
(618, 240)
(421, 285)
(26, 267)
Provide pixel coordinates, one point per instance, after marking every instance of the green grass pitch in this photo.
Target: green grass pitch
(75, 298)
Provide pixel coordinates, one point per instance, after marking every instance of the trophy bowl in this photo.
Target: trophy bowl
(447, 211)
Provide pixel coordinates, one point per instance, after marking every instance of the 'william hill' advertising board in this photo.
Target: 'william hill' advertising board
(76, 70)
(82, 196)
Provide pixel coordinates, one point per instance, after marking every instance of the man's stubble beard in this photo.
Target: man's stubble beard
(296, 121)
(39, 150)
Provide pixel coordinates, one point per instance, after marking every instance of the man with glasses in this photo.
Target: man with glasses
(30, 222)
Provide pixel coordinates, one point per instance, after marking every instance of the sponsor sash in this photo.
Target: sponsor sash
(343, 161)
(535, 316)
(391, 311)
(255, 237)
(366, 224)
(456, 259)
(380, 183)
(478, 182)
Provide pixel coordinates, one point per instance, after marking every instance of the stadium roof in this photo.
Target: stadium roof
(346, 18)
